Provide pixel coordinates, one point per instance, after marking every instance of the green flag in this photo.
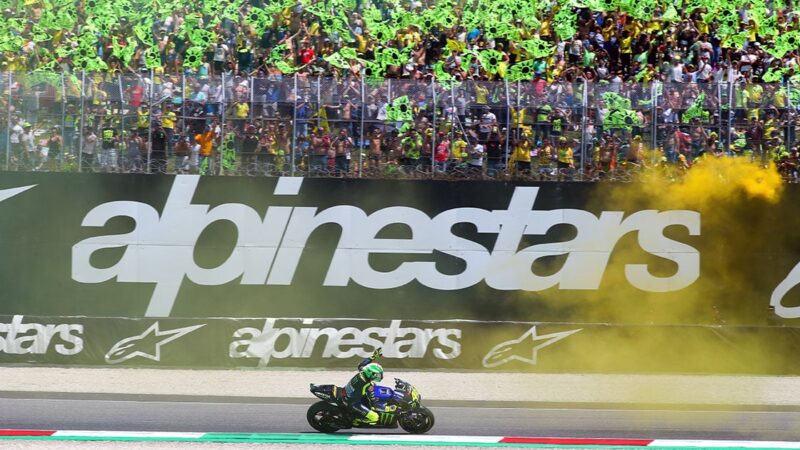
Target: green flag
(258, 18)
(615, 101)
(521, 71)
(619, 116)
(734, 41)
(399, 110)
(774, 74)
(285, 68)
(335, 25)
(390, 56)
(621, 119)
(193, 57)
(785, 43)
(383, 33)
(336, 60)
(277, 54)
(373, 70)
(696, 110)
(201, 38)
(565, 24)
(348, 53)
(445, 80)
(145, 33)
(123, 53)
(490, 60)
(498, 29)
(152, 58)
(670, 14)
(537, 47)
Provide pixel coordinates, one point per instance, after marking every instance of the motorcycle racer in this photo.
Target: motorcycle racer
(363, 385)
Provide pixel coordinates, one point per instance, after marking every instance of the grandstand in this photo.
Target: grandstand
(551, 90)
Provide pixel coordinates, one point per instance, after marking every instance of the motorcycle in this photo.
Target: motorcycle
(402, 408)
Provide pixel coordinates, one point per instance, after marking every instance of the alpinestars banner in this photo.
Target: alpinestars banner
(343, 343)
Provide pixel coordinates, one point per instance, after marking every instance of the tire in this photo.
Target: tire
(419, 421)
(324, 417)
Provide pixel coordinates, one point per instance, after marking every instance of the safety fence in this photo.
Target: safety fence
(358, 127)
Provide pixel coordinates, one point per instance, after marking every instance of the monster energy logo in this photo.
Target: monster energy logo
(386, 418)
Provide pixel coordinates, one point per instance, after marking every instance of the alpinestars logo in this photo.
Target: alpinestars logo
(524, 349)
(146, 345)
(5, 194)
(783, 288)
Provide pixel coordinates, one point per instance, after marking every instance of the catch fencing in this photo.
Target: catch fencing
(359, 127)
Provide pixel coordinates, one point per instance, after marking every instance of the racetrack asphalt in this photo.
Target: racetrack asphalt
(469, 404)
(237, 415)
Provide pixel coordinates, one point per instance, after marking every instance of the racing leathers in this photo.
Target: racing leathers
(359, 396)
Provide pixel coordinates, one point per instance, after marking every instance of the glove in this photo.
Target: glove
(376, 354)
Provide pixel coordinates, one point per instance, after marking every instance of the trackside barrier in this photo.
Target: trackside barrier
(411, 344)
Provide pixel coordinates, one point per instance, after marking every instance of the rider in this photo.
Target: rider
(363, 384)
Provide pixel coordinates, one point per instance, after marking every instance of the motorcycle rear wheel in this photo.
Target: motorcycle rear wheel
(324, 417)
(419, 421)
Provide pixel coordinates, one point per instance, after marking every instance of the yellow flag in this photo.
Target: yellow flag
(455, 46)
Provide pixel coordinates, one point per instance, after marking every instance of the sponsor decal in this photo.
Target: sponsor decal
(304, 341)
(160, 248)
(524, 349)
(146, 345)
(17, 338)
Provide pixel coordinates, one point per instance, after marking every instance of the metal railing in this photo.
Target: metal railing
(356, 127)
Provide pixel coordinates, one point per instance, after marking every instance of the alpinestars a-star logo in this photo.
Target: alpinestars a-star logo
(5, 194)
(524, 349)
(146, 345)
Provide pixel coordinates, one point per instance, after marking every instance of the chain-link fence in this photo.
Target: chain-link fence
(360, 127)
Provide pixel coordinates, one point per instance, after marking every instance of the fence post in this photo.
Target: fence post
(790, 127)
(168, 144)
(149, 131)
(731, 115)
(81, 131)
(433, 134)
(63, 122)
(654, 119)
(294, 127)
(319, 105)
(121, 108)
(221, 129)
(508, 127)
(361, 132)
(719, 114)
(8, 125)
(584, 120)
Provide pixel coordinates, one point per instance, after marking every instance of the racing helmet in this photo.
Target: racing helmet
(372, 372)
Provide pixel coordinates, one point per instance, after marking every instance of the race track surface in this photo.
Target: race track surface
(197, 414)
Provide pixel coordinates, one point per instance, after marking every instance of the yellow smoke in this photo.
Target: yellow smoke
(710, 183)
(734, 197)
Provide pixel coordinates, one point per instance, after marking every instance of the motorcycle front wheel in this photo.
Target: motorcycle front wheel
(418, 421)
(324, 417)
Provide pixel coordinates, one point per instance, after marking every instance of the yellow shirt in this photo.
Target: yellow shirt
(206, 141)
(241, 110)
(168, 120)
(522, 151)
(481, 94)
(625, 45)
(459, 149)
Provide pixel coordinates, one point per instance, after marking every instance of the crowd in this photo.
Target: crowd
(344, 87)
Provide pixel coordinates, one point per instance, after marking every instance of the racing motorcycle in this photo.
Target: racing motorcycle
(331, 414)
